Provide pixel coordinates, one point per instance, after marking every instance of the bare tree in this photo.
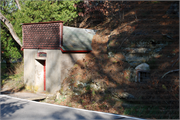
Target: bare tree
(11, 29)
(9, 25)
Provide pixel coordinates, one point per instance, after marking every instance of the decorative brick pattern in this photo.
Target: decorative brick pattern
(41, 36)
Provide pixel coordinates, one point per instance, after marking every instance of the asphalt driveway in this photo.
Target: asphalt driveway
(21, 109)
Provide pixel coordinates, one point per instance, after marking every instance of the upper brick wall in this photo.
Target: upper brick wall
(44, 35)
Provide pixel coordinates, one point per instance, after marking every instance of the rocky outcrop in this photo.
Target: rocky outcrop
(79, 88)
(132, 74)
(122, 95)
(138, 52)
(144, 67)
(144, 52)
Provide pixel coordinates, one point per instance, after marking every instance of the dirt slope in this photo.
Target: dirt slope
(151, 19)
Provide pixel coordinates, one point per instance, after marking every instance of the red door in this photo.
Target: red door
(44, 75)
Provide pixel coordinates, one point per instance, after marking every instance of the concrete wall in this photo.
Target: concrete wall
(39, 75)
(67, 62)
(57, 66)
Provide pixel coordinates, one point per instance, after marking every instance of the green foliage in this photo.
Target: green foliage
(32, 11)
(88, 87)
(164, 87)
(4, 77)
(14, 81)
(43, 11)
(9, 48)
(7, 7)
(83, 101)
(93, 93)
(70, 105)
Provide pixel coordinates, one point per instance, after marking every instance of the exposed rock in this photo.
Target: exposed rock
(58, 95)
(118, 104)
(134, 60)
(100, 82)
(140, 50)
(110, 54)
(82, 87)
(51, 97)
(94, 87)
(122, 95)
(98, 85)
(81, 84)
(143, 67)
(134, 63)
(126, 95)
(131, 74)
(78, 90)
(146, 49)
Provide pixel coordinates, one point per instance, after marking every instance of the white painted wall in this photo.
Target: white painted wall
(58, 65)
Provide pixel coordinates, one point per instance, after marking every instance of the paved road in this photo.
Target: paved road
(20, 109)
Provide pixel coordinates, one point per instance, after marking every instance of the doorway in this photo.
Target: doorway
(143, 76)
(40, 75)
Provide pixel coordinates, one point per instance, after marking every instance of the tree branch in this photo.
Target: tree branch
(175, 62)
(11, 29)
(17, 2)
(169, 72)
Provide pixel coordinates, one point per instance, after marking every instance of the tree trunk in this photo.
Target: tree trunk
(17, 2)
(11, 29)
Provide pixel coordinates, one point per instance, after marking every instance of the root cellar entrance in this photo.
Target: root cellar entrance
(40, 75)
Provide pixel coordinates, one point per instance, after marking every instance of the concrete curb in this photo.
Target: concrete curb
(116, 115)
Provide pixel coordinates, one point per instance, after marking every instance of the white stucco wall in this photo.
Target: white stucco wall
(58, 65)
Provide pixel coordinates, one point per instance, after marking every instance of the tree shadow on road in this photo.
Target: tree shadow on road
(8, 108)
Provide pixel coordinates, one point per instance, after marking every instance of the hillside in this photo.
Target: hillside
(107, 80)
(107, 67)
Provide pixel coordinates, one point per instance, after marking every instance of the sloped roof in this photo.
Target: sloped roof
(49, 35)
(77, 38)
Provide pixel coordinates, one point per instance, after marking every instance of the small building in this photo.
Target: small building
(50, 51)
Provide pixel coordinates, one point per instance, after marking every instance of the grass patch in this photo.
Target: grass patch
(149, 111)
(4, 76)
(93, 93)
(13, 80)
(70, 105)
